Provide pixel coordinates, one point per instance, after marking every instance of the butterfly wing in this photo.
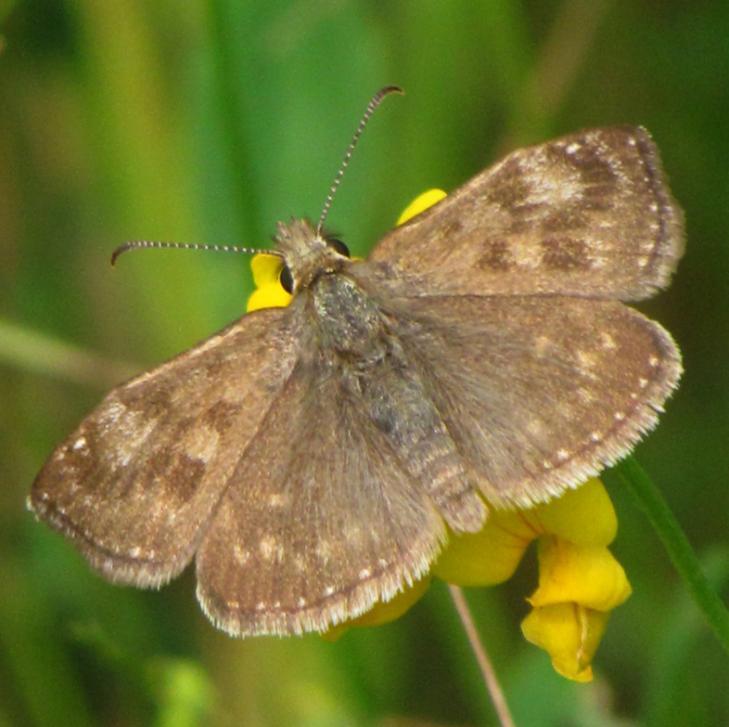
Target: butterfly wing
(136, 484)
(321, 519)
(538, 392)
(587, 214)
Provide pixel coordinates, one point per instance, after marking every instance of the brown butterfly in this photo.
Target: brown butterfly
(312, 458)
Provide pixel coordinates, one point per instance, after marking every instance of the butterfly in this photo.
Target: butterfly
(313, 459)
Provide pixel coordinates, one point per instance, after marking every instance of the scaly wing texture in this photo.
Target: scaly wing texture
(539, 392)
(320, 521)
(136, 483)
(589, 214)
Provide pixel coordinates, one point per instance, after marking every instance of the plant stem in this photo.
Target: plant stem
(651, 501)
(487, 670)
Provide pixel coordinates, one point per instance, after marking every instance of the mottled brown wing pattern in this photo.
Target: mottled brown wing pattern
(589, 214)
(539, 392)
(314, 457)
(136, 483)
(320, 521)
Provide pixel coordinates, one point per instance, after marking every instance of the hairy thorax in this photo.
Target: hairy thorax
(350, 323)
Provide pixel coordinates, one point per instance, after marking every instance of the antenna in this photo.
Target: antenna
(375, 101)
(145, 244)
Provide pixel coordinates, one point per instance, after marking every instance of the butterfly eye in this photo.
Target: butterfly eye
(286, 279)
(338, 246)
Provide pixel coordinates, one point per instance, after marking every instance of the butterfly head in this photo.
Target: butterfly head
(307, 253)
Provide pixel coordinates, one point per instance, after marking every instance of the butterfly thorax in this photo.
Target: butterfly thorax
(349, 321)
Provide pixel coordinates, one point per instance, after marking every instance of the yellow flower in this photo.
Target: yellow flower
(580, 581)
(269, 292)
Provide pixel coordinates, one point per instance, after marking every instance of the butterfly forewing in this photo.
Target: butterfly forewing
(539, 392)
(589, 214)
(320, 521)
(135, 484)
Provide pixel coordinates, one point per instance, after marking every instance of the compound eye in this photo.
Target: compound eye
(338, 246)
(286, 279)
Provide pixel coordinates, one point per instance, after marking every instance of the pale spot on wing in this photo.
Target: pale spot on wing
(299, 563)
(112, 413)
(270, 548)
(353, 534)
(563, 455)
(301, 602)
(642, 382)
(133, 429)
(135, 552)
(329, 590)
(240, 554)
(535, 427)
(585, 395)
(619, 416)
(365, 573)
(528, 256)
(586, 360)
(541, 344)
(323, 550)
(595, 436)
(553, 185)
(607, 341)
(201, 443)
(565, 410)
(278, 499)
(260, 606)
(653, 361)
(80, 443)
(643, 261)
(573, 148)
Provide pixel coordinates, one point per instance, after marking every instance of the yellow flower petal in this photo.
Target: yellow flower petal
(584, 516)
(269, 296)
(268, 293)
(588, 575)
(570, 634)
(420, 204)
(489, 556)
(265, 268)
(382, 613)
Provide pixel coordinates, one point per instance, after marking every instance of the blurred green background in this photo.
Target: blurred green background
(208, 121)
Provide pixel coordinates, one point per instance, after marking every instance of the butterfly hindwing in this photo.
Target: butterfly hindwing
(538, 392)
(320, 521)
